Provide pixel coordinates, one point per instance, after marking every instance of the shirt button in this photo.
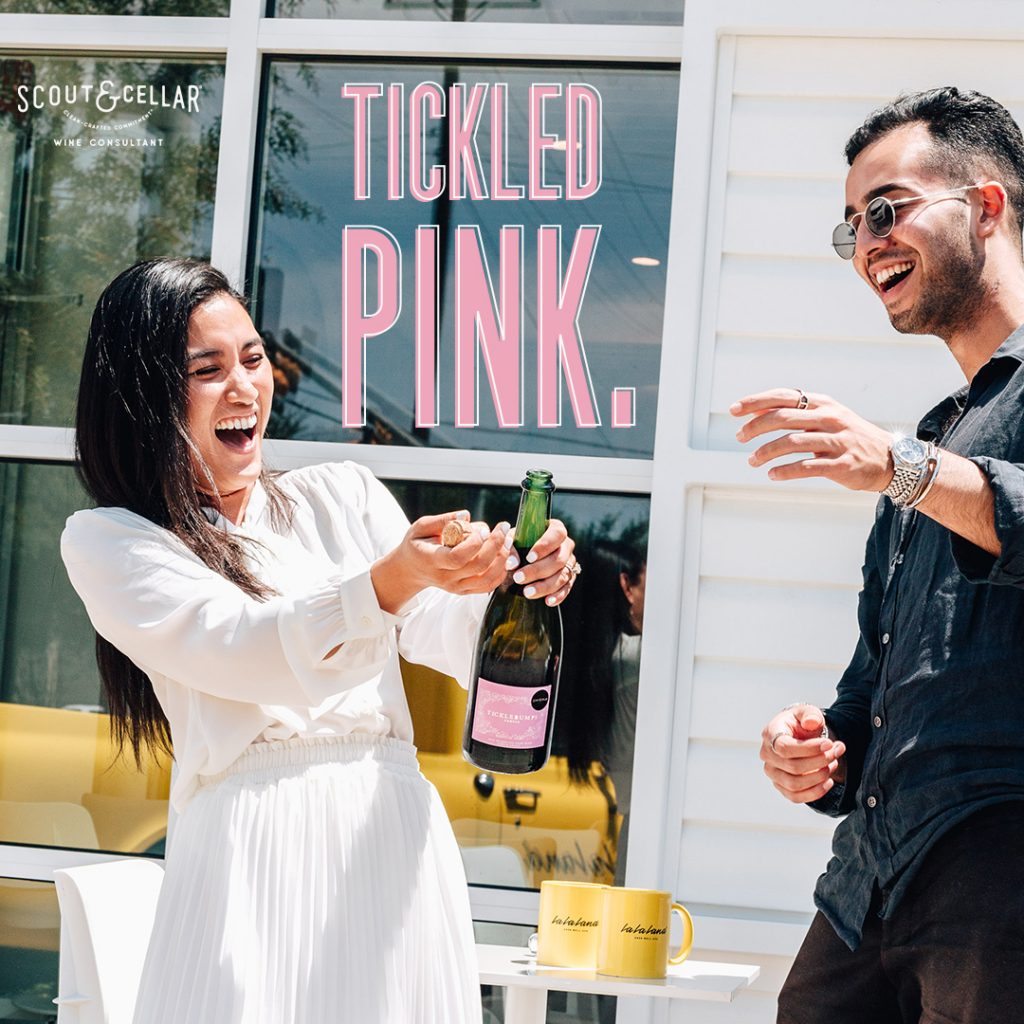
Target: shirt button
(885, 638)
(899, 559)
(872, 802)
(878, 722)
(366, 620)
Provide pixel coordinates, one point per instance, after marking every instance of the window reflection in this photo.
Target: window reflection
(565, 821)
(102, 162)
(593, 12)
(29, 944)
(60, 782)
(307, 199)
(156, 8)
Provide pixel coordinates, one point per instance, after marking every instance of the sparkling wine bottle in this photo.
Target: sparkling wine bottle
(511, 710)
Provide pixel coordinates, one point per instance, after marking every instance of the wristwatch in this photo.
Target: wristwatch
(910, 463)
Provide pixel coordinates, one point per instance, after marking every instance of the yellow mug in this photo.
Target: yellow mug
(568, 926)
(634, 933)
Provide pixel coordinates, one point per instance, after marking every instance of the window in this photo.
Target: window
(102, 162)
(62, 782)
(570, 819)
(600, 398)
(29, 943)
(105, 161)
(649, 12)
(164, 8)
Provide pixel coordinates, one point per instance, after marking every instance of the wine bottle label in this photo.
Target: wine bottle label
(511, 716)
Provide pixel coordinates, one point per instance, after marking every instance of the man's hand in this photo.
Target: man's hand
(802, 764)
(843, 446)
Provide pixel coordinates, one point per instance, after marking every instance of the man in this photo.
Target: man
(921, 908)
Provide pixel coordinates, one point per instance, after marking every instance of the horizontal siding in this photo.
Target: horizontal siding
(752, 868)
(777, 572)
(821, 300)
(767, 622)
(847, 371)
(746, 535)
(791, 66)
(751, 692)
(799, 136)
(733, 791)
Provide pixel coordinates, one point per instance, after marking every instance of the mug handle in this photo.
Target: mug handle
(687, 943)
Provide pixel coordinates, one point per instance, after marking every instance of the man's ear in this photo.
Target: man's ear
(993, 206)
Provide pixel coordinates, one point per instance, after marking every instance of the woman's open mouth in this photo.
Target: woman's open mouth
(237, 434)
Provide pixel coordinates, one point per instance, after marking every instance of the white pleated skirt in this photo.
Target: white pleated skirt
(316, 881)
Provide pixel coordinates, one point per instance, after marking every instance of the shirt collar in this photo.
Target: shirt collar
(938, 420)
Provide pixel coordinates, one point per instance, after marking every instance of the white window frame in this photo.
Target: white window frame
(244, 39)
(681, 467)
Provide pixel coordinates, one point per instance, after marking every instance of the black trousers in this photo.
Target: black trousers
(952, 953)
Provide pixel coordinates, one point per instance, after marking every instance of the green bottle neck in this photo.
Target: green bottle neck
(534, 510)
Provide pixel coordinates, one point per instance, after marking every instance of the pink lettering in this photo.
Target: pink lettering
(559, 341)
(357, 322)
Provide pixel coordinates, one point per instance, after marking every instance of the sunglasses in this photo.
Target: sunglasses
(879, 218)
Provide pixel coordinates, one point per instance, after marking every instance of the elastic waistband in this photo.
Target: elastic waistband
(279, 757)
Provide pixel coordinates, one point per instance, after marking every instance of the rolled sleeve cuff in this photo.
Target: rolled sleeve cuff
(335, 613)
(361, 613)
(977, 565)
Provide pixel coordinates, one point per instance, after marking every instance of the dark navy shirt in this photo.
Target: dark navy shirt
(931, 707)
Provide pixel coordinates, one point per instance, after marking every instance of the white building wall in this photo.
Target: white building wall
(774, 570)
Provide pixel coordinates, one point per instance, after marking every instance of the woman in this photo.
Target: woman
(603, 626)
(312, 876)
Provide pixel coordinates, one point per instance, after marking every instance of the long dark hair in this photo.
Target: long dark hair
(134, 450)
(594, 618)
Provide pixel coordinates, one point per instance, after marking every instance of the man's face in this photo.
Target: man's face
(927, 272)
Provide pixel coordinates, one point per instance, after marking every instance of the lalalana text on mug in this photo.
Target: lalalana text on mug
(635, 933)
(568, 924)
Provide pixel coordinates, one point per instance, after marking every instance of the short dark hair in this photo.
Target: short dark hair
(972, 133)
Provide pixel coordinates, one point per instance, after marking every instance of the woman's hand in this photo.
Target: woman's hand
(476, 565)
(551, 566)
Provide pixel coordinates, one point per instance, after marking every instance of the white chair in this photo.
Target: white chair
(106, 913)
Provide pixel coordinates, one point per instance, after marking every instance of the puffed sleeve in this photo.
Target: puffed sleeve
(977, 565)
(156, 602)
(440, 631)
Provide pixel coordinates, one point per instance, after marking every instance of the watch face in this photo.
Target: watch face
(909, 451)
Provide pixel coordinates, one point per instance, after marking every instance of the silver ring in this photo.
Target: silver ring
(801, 402)
(576, 567)
(771, 742)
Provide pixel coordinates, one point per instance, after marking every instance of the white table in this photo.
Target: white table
(527, 985)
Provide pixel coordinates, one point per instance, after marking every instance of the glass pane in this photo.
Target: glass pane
(570, 819)
(102, 162)
(29, 944)
(179, 8)
(60, 784)
(602, 389)
(593, 12)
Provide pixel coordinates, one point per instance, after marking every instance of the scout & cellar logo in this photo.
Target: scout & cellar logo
(121, 106)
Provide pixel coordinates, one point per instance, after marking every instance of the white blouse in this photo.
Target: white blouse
(230, 670)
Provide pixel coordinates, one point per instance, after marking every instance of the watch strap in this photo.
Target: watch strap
(906, 479)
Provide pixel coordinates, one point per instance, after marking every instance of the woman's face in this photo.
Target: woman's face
(230, 388)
